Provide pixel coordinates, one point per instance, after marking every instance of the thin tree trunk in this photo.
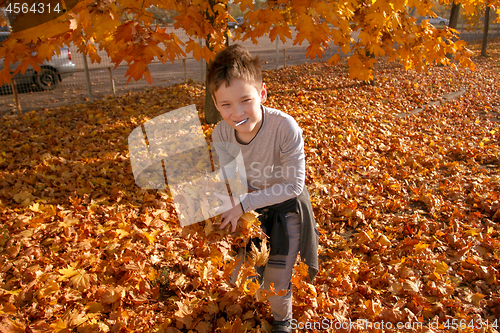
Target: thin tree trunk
(455, 10)
(485, 31)
(454, 15)
(212, 115)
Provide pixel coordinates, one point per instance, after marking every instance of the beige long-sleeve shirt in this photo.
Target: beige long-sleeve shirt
(274, 160)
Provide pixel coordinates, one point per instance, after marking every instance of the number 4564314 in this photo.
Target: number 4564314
(35, 8)
(471, 324)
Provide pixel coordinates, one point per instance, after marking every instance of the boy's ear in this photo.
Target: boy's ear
(263, 93)
(215, 102)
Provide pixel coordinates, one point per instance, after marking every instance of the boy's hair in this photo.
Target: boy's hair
(234, 62)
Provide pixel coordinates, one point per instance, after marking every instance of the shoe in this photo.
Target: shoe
(282, 326)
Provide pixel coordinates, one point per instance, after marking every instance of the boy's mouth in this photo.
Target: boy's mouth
(241, 122)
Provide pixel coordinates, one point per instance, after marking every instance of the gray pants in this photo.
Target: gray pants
(278, 271)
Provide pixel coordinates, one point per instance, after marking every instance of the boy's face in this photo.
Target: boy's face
(240, 104)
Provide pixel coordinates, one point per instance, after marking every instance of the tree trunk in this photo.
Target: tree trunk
(455, 10)
(485, 31)
(212, 115)
(454, 15)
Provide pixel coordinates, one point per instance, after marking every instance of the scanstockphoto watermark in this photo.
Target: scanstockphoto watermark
(264, 176)
(277, 171)
(358, 324)
(170, 150)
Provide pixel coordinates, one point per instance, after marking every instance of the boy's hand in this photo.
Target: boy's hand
(231, 212)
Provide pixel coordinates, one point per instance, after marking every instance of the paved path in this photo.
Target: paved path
(445, 98)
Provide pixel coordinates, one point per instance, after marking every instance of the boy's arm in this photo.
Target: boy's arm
(292, 159)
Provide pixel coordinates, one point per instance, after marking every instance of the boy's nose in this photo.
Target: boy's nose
(238, 111)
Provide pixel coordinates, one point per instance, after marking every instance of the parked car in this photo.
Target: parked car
(438, 20)
(234, 25)
(51, 73)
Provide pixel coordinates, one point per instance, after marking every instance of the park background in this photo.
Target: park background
(99, 79)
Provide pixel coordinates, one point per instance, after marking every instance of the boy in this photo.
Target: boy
(272, 147)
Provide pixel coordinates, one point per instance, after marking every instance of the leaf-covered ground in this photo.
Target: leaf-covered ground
(408, 210)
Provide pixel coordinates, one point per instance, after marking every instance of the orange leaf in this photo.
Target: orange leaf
(334, 59)
(195, 48)
(147, 76)
(112, 295)
(8, 325)
(126, 31)
(26, 63)
(246, 3)
(283, 31)
(137, 70)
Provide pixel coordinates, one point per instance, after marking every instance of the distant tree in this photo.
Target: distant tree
(473, 18)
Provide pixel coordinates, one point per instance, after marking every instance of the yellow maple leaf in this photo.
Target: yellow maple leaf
(35, 207)
(248, 219)
(441, 267)
(58, 325)
(150, 238)
(476, 298)
(94, 307)
(250, 287)
(153, 275)
(69, 221)
(420, 247)
(8, 308)
(185, 308)
(91, 51)
(67, 272)
(73, 318)
(122, 233)
(106, 23)
(48, 289)
(259, 256)
(81, 280)
(376, 50)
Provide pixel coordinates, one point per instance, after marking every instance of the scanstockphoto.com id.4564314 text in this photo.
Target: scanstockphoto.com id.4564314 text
(364, 324)
(358, 324)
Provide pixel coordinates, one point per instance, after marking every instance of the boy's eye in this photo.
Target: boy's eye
(246, 100)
